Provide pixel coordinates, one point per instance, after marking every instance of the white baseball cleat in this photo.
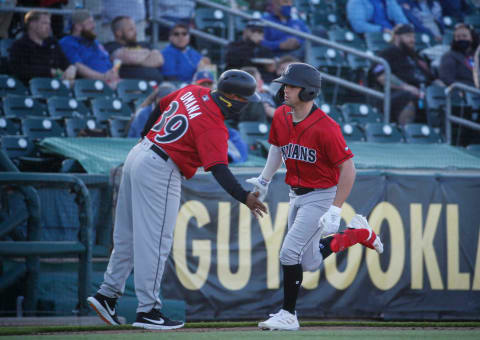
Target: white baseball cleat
(373, 241)
(283, 321)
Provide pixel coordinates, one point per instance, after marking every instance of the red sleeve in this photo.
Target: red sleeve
(335, 146)
(212, 147)
(275, 127)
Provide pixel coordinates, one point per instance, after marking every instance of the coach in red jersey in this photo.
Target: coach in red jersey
(185, 131)
(320, 173)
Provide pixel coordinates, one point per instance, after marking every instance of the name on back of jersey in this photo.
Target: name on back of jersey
(190, 103)
(299, 153)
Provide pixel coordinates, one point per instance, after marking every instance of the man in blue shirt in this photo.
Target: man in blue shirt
(180, 60)
(374, 15)
(279, 42)
(85, 52)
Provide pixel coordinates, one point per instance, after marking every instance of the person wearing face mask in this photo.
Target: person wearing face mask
(249, 50)
(456, 65)
(279, 42)
(409, 72)
(86, 53)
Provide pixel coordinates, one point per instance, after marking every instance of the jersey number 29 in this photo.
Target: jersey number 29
(173, 126)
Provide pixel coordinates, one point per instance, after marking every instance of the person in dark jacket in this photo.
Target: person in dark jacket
(250, 52)
(37, 53)
(456, 65)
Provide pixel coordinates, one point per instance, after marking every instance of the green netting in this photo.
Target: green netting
(99, 155)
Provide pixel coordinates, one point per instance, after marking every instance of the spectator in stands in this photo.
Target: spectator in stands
(425, 15)
(37, 53)
(111, 9)
(83, 50)
(138, 60)
(181, 60)
(410, 72)
(456, 65)
(204, 78)
(374, 15)
(266, 97)
(5, 21)
(174, 11)
(249, 51)
(143, 112)
(279, 42)
(454, 8)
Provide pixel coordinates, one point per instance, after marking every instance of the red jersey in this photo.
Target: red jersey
(191, 130)
(311, 149)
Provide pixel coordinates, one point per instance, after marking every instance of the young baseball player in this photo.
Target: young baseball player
(320, 173)
(188, 134)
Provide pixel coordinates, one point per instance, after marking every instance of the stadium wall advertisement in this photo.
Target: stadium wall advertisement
(224, 262)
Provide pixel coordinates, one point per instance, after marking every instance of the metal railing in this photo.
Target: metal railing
(385, 96)
(449, 118)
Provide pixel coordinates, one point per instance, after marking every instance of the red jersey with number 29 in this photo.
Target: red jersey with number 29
(311, 149)
(191, 130)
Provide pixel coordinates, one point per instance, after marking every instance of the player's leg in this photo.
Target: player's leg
(156, 187)
(121, 260)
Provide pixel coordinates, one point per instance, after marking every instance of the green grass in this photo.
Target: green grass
(363, 334)
(370, 329)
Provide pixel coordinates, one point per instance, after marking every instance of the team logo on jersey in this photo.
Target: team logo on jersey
(205, 98)
(346, 148)
(299, 153)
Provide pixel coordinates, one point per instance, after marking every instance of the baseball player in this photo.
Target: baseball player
(188, 134)
(320, 173)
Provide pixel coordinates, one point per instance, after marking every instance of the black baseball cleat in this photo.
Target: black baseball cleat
(105, 308)
(155, 320)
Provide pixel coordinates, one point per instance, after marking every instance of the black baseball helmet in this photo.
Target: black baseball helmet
(237, 82)
(301, 75)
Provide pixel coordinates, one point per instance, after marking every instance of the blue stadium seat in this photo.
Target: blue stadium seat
(87, 89)
(333, 111)
(420, 134)
(254, 133)
(129, 90)
(377, 41)
(63, 107)
(117, 126)
(74, 125)
(352, 132)
(48, 87)
(104, 109)
(39, 128)
(11, 85)
(383, 133)
(360, 113)
(9, 126)
(23, 106)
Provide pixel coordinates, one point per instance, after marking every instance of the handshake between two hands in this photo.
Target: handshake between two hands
(256, 197)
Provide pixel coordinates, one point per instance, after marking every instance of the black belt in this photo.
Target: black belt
(301, 191)
(159, 152)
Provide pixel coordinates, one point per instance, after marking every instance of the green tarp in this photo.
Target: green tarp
(99, 155)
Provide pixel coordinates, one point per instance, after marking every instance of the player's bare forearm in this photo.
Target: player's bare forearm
(345, 182)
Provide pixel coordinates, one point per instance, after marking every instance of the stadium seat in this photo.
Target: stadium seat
(129, 90)
(86, 89)
(74, 125)
(352, 133)
(333, 111)
(383, 133)
(63, 107)
(5, 45)
(325, 58)
(11, 85)
(323, 15)
(104, 109)
(48, 87)
(422, 41)
(435, 104)
(420, 134)
(473, 19)
(377, 41)
(39, 128)
(117, 126)
(25, 155)
(346, 37)
(23, 106)
(253, 112)
(360, 113)
(213, 21)
(254, 133)
(9, 126)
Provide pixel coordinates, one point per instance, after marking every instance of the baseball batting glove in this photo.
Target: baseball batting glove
(330, 221)
(260, 185)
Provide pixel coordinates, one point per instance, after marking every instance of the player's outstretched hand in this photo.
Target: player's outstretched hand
(330, 221)
(255, 205)
(259, 184)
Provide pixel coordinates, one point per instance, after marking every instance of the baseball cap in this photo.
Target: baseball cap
(80, 15)
(203, 76)
(255, 23)
(403, 29)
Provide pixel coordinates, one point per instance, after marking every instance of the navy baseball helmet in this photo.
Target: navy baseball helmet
(238, 82)
(301, 75)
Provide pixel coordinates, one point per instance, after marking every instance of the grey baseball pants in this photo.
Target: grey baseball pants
(301, 244)
(146, 213)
